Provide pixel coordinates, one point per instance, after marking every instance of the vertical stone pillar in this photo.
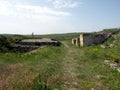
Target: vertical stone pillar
(73, 41)
(81, 40)
(77, 42)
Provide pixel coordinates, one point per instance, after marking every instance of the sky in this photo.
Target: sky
(58, 16)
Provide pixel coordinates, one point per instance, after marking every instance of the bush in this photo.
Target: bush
(6, 43)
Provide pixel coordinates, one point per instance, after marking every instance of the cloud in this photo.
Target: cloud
(64, 3)
(4, 7)
(29, 11)
(41, 10)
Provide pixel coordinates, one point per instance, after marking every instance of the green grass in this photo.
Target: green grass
(94, 73)
(45, 68)
(37, 71)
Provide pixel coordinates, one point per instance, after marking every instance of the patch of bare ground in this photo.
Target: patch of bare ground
(69, 66)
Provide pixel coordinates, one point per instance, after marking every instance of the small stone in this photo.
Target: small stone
(55, 89)
(92, 89)
(113, 65)
(107, 61)
(118, 69)
(111, 45)
(102, 46)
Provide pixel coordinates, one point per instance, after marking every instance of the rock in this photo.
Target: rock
(102, 46)
(111, 45)
(92, 89)
(113, 65)
(55, 89)
(114, 41)
(107, 61)
(118, 69)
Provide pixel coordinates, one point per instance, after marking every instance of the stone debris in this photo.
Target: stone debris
(113, 65)
(115, 42)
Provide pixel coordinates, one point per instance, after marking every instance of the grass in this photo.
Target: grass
(94, 73)
(37, 71)
(43, 70)
(60, 68)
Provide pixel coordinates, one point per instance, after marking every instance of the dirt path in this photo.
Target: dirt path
(69, 66)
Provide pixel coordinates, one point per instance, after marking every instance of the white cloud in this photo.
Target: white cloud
(41, 10)
(29, 11)
(23, 17)
(64, 3)
(4, 7)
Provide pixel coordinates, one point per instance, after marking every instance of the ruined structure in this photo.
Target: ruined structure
(28, 45)
(40, 42)
(90, 39)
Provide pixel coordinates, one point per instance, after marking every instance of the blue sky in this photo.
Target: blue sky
(58, 16)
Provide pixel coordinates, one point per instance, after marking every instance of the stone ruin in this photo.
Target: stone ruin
(90, 39)
(28, 45)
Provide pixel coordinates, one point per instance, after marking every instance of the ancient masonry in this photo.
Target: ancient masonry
(90, 39)
(28, 45)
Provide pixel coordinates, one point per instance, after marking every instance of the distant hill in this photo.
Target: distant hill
(11, 35)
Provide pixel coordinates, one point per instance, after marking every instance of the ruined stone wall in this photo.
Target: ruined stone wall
(24, 48)
(32, 44)
(40, 43)
(90, 39)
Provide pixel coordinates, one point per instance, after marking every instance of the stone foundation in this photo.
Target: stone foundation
(28, 45)
(25, 48)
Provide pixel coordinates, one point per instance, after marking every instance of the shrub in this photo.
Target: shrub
(6, 43)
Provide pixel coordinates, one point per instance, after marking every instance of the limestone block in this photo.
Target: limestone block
(81, 40)
(73, 41)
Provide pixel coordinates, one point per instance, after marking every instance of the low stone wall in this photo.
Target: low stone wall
(39, 42)
(28, 45)
(23, 48)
